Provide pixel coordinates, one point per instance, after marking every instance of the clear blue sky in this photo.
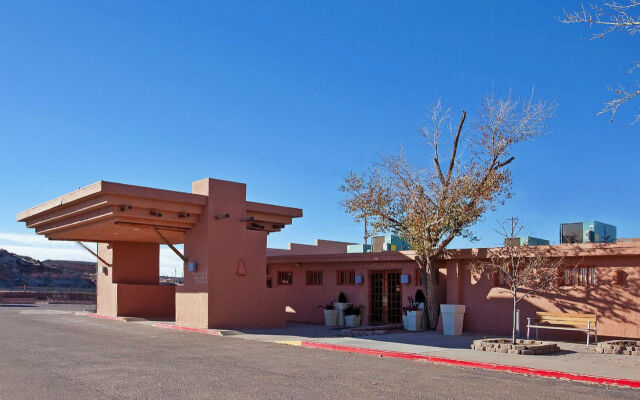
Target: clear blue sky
(289, 96)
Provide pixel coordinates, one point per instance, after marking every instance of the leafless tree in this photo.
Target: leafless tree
(430, 207)
(612, 16)
(520, 270)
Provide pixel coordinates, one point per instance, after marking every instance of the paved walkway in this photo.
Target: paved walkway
(574, 358)
(48, 352)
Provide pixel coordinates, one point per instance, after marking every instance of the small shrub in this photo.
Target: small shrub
(328, 306)
(413, 306)
(342, 298)
(420, 296)
(351, 310)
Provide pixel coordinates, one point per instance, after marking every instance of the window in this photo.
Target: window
(346, 277)
(285, 278)
(620, 278)
(577, 276)
(269, 282)
(501, 279)
(314, 277)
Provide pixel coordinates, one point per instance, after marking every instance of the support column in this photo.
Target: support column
(228, 288)
(130, 287)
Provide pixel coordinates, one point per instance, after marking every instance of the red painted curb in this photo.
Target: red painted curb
(475, 364)
(186, 328)
(106, 317)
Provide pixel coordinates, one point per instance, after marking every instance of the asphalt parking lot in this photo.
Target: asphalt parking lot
(49, 352)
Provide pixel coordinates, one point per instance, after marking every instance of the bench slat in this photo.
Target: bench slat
(579, 325)
(584, 329)
(566, 319)
(554, 314)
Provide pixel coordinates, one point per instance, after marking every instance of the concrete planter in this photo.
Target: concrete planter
(331, 318)
(413, 320)
(452, 318)
(352, 321)
(340, 307)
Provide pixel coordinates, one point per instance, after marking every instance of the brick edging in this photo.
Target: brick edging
(476, 364)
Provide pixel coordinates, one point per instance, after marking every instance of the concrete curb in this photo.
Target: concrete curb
(627, 383)
(122, 319)
(213, 332)
(106, 317)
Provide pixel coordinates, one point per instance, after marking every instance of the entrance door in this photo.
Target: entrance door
(385, 298)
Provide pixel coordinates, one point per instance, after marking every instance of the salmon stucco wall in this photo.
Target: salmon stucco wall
(231, 266)
(130, 286)
(302, 300)
(616, 303)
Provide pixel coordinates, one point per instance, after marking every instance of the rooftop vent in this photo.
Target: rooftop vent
(587, 232)
(525, 241)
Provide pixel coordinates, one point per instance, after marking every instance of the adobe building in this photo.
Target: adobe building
(231, 279)
(225, 244)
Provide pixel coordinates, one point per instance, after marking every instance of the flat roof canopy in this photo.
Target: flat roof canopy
(108, 211)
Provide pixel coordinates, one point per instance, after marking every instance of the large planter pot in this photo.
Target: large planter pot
(331, 318)
(352, 321)
(340, 307)
(413, 320)
(452, 317)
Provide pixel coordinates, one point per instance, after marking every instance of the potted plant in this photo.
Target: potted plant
(341, 305)
(352, 316)
(330, 315)
(420, 299)
(412, 316)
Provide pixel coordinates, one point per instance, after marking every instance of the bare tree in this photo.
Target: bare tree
(612, 16)
(521, 271)
(430, 207)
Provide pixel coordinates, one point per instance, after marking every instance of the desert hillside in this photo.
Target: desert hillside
(17, 271)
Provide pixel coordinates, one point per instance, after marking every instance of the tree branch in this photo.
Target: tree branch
(455, 147)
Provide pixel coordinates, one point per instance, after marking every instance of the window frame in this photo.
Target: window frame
(314, 278)
(578, 276)
(350, 277)
(280, 276)
(501, 280)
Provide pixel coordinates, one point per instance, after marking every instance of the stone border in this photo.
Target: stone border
(625, 347)
(523, 347)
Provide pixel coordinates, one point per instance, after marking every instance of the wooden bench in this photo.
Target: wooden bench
(567, 322)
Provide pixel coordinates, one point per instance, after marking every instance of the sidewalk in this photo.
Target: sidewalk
(574, 358)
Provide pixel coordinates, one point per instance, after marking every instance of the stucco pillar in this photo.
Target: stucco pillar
(228, 288)
(455, 274)
(130, 286)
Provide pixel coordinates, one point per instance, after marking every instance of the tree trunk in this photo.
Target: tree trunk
(432, 308)
(513, 322)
